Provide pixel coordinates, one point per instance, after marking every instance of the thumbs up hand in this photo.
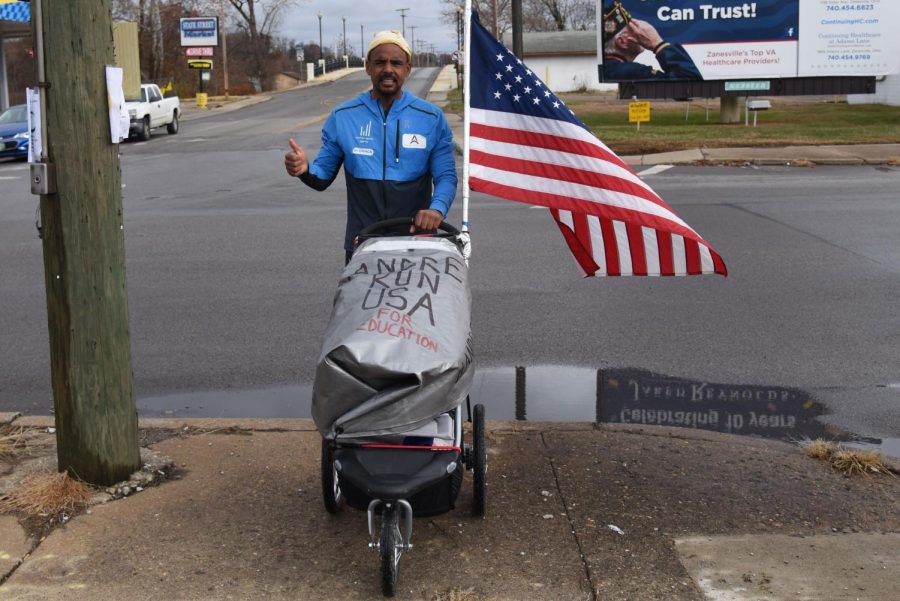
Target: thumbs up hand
(295, 161)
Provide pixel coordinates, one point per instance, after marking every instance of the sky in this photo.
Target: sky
(302, 24)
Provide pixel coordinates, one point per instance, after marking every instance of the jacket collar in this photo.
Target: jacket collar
(375, 105)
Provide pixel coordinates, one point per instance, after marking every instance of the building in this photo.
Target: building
(564, 60)
(887, 91)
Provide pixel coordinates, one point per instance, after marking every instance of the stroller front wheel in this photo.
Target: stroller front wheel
(331, 488)
(390, 548)
(479, 460)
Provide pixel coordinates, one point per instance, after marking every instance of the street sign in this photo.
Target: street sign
(199, 64)
(198, 51)
(638, 111)
(746, 86)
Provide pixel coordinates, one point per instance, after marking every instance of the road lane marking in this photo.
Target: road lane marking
(654, 170)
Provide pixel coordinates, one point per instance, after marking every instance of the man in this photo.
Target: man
(630, 37)
(392, 145)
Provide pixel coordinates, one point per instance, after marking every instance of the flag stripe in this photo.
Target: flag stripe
(664, 245)
(678, 263)
(541, 140)
(636, 244)
(555, 157)
(597, 243)
(574, 197)
(569, 174)
(651, 252)
(611, 247)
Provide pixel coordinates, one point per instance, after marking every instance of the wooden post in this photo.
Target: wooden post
(84, 250)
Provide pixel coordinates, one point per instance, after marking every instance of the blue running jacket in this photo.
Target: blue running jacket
(389, 161)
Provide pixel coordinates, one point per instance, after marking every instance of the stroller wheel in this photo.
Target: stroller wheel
(479, 460)
(331, 488)
(390, 548)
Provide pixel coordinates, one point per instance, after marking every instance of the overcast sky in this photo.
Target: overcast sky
(302, 24)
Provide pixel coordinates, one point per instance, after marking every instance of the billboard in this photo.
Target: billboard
(734, 39)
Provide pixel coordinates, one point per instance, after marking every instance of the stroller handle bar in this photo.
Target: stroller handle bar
(387, 224)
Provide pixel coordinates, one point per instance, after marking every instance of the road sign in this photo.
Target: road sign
(199, 64)
(198, 51)
(638, 111)
(746, 86)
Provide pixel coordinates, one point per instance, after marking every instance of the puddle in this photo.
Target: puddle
(574, 394)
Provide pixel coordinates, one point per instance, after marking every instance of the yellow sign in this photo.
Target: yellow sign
(199, 64)
(638, 111)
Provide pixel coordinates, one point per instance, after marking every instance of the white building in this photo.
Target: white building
(887, 91)
(564, 60)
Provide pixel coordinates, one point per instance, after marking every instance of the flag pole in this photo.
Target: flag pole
(467, 92)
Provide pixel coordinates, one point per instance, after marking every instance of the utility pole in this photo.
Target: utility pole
(494, 15)
(402, 12)
(344, 35)
(82, 228)
(517, 28)
(412, 43)
(321, 50)
(223, 33)
(362, 43)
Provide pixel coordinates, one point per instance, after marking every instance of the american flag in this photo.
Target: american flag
(527, 145)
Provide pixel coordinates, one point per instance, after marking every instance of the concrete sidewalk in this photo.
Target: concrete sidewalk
(575, 511)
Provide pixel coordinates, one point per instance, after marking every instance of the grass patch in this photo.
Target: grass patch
(786, 124)
(792, 121)
(44, 495)
(847, 460)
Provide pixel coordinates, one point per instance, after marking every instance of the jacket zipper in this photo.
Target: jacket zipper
(383, 214)
(397, 144)
(384, 150)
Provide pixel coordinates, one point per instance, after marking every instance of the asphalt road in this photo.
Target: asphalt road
(232, 266)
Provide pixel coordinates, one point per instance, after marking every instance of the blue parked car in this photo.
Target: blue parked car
(14, 132)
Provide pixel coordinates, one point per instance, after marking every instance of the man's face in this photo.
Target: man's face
(388, 66)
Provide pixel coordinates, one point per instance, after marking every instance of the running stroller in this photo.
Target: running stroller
(394, 371)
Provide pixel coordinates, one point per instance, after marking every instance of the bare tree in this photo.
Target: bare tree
(537, 15)
(485, 10)
(258, 18)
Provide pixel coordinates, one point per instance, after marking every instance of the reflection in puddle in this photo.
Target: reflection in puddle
(632, 396)
(573, 394)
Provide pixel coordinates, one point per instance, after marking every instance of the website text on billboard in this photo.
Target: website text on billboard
(727, 39)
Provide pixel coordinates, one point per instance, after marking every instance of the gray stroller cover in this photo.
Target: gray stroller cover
(397, 351)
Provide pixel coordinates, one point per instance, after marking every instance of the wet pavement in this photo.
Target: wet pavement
(555, 393)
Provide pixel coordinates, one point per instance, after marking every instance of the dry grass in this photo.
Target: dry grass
(455, 595)
(859, 462)
(47, 495)
(22, 442)
(847, 460)
(819, 449)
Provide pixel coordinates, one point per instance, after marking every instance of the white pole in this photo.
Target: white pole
(467, 96)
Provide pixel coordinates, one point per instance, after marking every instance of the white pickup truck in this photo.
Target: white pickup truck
(152, 111)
